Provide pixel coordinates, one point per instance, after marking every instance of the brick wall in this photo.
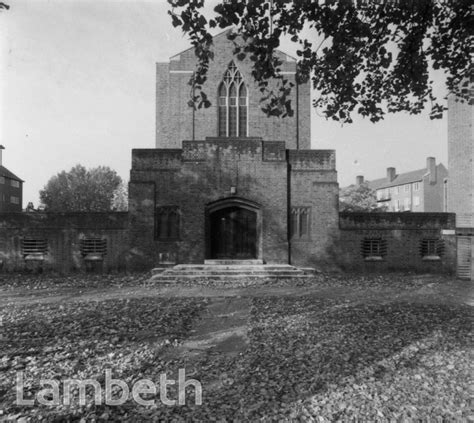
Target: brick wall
(131, 244)
(263, 172)
(403, 234)
(460, 157)
(205, 173)
(176, 121)
(6, 192)
(313, 183)
(433, 194)
(63, 232)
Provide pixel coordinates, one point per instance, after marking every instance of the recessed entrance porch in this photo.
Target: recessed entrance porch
(233, 230)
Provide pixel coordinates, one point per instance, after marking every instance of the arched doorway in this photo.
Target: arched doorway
(233, 229)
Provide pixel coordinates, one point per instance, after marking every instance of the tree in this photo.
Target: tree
(359, 198)
(81, 189)
(369, 57)
(120, 199)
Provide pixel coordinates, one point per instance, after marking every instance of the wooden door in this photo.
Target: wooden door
(233, 233)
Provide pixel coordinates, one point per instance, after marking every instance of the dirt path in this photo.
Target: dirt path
(449, 291)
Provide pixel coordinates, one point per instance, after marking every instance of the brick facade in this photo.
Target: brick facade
(260, 172)
(461, 177)
(271, 172)
(402, 235)
(135, 247)
(11, 189)
(422, 190)
(198, 196)
(461, 157)
(176, 121)
(292, 189)
(11, 194)
(61, 235)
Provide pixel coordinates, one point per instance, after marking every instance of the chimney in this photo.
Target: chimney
(391, 174)
(1, 148)
(431, 168)
(359, 180)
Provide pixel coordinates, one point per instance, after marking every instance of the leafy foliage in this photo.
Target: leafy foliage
(120, 199)
(363, 57)
(359, 198)
(81, 189)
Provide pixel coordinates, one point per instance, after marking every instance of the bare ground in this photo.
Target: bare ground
(331, 348)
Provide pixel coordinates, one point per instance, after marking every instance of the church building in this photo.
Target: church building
(229, 182)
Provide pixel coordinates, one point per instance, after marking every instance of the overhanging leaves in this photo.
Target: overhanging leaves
(367, 58)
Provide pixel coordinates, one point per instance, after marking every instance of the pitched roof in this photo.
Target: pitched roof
(401, 179)
(219, 34)
(222, 33)
(7, 174)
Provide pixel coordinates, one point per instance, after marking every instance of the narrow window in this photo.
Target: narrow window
(243, 110)
(293, 224)
(431, 248)
(304, 223)
(167, 223)
(222, 110)
(2, 179)
(233, 116)
(407, 204)
(445, 195)
(373, 249)
(93, 246)
(233, 104)
(300, 222)
(34, 248)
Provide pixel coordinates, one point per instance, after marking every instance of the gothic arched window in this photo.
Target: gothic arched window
(233, 104)
(167, 223)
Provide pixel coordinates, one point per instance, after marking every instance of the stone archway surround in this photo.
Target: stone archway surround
(237, 215)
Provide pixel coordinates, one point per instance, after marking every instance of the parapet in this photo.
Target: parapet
(312, 159)
(396, 220)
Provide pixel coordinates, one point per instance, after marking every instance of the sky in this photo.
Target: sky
(77, 86)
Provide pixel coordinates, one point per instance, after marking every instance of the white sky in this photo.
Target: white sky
(77, 85)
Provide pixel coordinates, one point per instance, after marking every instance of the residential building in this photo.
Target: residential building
(11, 189)
(422, 190)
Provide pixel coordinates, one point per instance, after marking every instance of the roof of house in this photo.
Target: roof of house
(7, 174)
(401, 179)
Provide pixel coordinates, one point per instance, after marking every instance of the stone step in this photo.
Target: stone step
(222, 272)
(230, 275)
(236, 262)
(228, 268)
(242, 268)
(233, 270)
(223, 278)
